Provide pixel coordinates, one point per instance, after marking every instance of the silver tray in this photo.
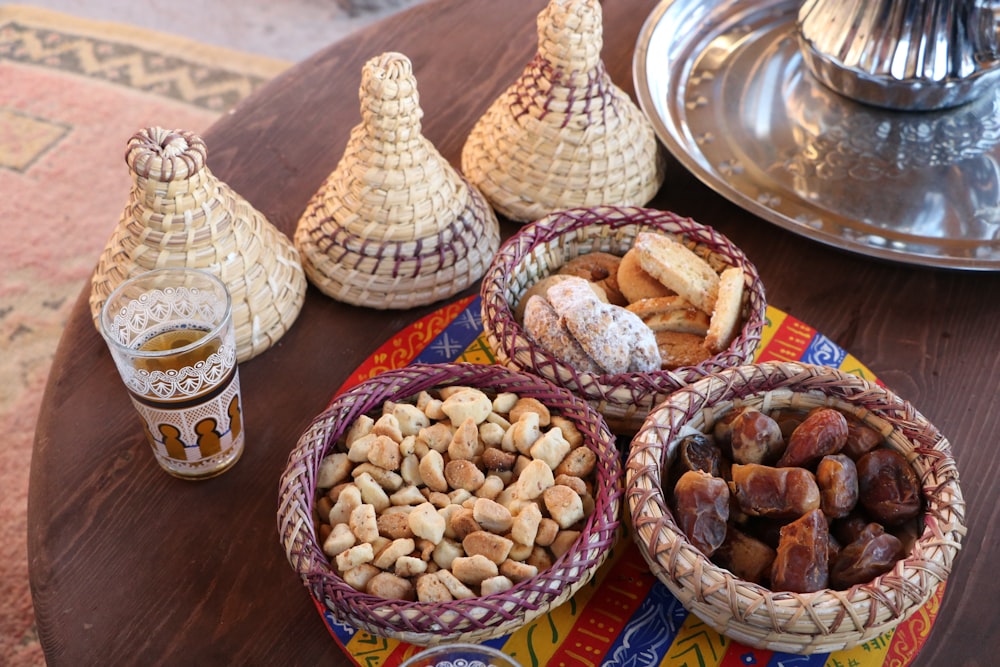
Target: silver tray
(724, 84)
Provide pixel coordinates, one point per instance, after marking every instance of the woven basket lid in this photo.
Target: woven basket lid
(179, 214)
(563, 135)
(394, 225)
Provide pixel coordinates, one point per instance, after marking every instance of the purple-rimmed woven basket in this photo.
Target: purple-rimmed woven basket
(475, 619)
(540, 248)
(827, 620)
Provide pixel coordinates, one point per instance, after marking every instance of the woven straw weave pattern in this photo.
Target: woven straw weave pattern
(179, 214)
(563, 135)
(540, 248)
(827, 620)
(475, 619)
(394, 225)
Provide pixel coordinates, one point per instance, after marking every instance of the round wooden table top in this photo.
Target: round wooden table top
(131, 566)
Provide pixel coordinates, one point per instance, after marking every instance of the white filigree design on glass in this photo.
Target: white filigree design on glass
(146, 316)
(187, 381)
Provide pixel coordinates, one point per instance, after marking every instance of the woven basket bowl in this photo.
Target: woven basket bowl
(827, 620)
(471, 620)
(540, 248)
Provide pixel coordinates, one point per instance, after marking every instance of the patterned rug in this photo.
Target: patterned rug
(72, 94)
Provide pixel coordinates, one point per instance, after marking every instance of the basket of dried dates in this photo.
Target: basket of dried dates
(794, 507)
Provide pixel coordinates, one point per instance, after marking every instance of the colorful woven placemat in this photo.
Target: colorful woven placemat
(625, 617)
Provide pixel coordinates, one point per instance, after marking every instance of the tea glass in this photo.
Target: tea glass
(171, 334)
(460, 655)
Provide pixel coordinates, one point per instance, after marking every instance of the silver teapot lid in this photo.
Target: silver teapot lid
(902, 54)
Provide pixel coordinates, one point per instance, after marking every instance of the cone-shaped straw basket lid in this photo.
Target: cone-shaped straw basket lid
(394, 225)
(564, 135)
(179, 214)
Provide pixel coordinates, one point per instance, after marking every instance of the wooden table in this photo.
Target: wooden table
(130, 566)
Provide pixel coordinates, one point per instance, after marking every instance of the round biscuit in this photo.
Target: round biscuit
(681, 349)
(635, 284)
(600, 268)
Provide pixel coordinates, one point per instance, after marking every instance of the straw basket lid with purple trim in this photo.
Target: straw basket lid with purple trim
(180, 214)
(394, 225)
(821, 621)
(475, 619)
(563, 135)
(542, 247)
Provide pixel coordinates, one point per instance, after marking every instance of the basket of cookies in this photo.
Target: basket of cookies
(450, 502)
(621, 305)
(795, 507)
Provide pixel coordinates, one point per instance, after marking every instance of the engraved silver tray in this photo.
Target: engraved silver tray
(725, 86)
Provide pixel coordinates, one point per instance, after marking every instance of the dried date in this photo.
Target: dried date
(813, 499)
(702, 509)
(888, 487)
(788, 420)
(861, 439)
(722, 430)
(801, 564)
(823, 432)
(833, 549)
(766, 530)
(755, 437)
(907, 533)
(780, 493)
(874, 552)
(846, 529)
(837, 478)
(697, 452)
(745, 556)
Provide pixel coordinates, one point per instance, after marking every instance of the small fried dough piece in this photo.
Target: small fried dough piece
(431, 589)
(472, 570)
(388, 585)
(563, 504)
(579, 462)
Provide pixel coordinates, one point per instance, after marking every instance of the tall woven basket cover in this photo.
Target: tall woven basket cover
(563, 135)
(179, 214)
(394, 225)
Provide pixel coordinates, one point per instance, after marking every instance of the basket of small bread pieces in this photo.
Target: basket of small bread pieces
(450, 502)
(794, 507)
(621, 305)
